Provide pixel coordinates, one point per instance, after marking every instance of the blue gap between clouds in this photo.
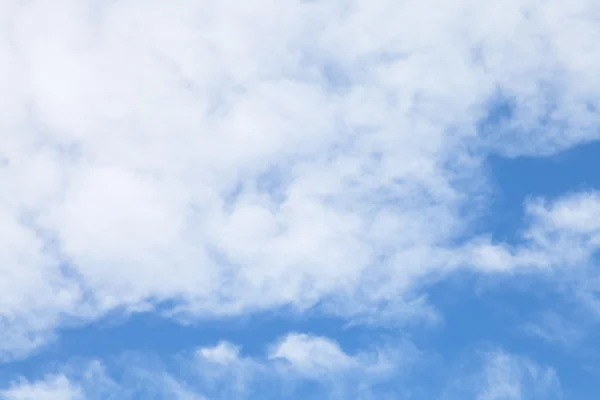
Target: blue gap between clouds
(494, 316)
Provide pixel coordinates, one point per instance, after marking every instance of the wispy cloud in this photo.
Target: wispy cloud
(296, 363)
(50, 388)
(511, 377)
(299, 365)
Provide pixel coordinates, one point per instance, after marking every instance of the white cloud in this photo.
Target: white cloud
(92, 379)
(320, 369)
(562, 233)
(50, 388)
(300, 363)
(565, 330)
(223, 353)
(201, 152)
(300, 356)
(312, 356)
(500, 375)
(317, 363)
(509, 377)
(567, 226)
(574, 214)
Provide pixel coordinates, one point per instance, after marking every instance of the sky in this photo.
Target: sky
(299, 199)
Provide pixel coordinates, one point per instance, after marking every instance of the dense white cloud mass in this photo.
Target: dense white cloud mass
(233, 156)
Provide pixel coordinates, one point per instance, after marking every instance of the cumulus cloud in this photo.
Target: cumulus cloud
(233, 158)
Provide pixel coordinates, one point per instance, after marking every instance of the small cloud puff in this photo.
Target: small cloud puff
(312, 356)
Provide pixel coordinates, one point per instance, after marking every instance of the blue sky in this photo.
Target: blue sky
(326, 199)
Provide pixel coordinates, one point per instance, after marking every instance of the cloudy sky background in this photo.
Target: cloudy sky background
(299, 199)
